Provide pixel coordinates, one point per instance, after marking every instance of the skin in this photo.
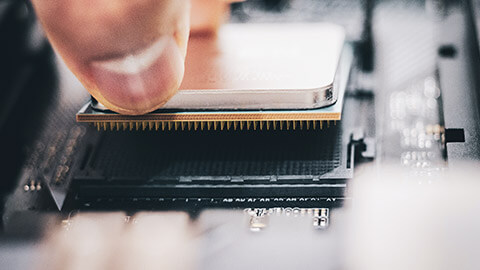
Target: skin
(90, 35)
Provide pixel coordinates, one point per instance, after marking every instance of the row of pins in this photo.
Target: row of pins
(215, 125)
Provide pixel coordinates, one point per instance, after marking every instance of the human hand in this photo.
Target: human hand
(128, 54)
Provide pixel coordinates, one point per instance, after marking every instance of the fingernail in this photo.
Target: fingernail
(140, 82)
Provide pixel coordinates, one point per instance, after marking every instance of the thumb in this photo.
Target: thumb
(128, 54)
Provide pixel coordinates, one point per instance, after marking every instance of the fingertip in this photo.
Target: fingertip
(139, 83)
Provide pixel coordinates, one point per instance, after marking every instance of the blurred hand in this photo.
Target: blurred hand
(94, 241)
(128, 54)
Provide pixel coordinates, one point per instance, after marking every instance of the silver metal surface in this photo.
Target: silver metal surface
(262, 66)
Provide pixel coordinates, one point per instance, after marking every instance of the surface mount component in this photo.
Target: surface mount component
(252, 76)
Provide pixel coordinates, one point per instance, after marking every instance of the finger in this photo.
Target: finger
(128, 54)
(162, 240)
(92, 235)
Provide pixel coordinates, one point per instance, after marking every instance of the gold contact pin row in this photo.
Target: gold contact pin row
(215, 125)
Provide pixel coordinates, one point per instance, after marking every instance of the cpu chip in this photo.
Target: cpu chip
(251, 76)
